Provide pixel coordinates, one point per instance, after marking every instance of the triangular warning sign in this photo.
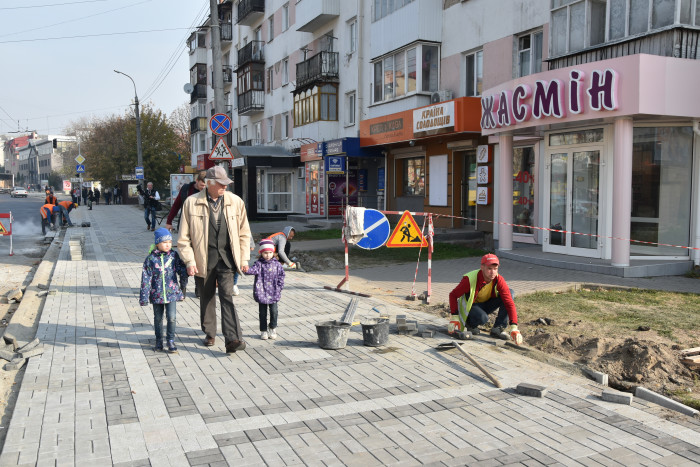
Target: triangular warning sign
(406, 233)
(221, 152)
(3, 230)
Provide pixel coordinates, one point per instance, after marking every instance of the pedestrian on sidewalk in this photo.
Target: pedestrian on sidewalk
(97, 195)
(482, 292)
(85, 195)
(160, 286)
(90, 198)
(214, 242)
(283, 246)
(108, 195)
(267, 290)
(150, 198)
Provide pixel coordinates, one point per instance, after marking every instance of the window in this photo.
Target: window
(414, 176)
(350, 108)
(285, 126)
(269, 130)
(474, 73)
(395, 75)
(383, 8)
(631, 17)
(285, 71)
(274, 191)
(285, 17)
(202, 147)
(577, 24)
(244, 133)
(317, 103)
(270, 28)
(530, 53)
(257, 35)
(269, 80)
(352, 36)
(258, 133)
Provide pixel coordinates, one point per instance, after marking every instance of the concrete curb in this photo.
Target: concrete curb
(25, 320)
(664, 401)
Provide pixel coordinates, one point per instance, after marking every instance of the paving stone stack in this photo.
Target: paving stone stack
(76, 247)
(406, 327)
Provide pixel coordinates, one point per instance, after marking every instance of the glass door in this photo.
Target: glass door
(572, 211)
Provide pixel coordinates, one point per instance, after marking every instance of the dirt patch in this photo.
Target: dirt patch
(319, 261)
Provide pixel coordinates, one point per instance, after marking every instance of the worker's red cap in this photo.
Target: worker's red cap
(489, 259)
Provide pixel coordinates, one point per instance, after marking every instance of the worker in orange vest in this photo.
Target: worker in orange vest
(282, 245)
(48, 211)
(66, 207)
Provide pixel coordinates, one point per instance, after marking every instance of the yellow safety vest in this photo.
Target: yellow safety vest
(464, 304)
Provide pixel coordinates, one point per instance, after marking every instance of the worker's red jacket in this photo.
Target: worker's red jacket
(499, 286)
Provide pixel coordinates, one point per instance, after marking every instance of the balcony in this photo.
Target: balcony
(313, 14)
(200, 92)
(251, 52)
(228, 75)
(226, 32)
(198, 124)
(249, 11)
(251, 101)
(679, 42)
(321, 67)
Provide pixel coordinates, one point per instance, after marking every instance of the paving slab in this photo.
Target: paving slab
(99, 394)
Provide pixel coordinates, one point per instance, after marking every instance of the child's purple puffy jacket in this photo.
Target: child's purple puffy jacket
(269, 280)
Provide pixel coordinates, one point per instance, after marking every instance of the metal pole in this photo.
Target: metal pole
(139, 152)
(217, 63)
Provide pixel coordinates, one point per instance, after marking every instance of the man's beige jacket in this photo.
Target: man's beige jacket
(194, 230)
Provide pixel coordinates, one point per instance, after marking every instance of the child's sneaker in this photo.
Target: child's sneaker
(264, 336)
(273, 333)
(171, 347)
(235, 290)
(158, 347)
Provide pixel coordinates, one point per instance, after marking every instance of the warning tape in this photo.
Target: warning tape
(436, 215)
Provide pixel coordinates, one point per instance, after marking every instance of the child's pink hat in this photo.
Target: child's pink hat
(267, 245)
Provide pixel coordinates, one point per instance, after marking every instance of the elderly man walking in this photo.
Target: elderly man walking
(214, 243)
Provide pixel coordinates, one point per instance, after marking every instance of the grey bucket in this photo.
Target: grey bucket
(332, 335)
(375, 332)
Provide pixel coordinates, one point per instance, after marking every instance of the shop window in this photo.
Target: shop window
(576, 24)
(530, 53)
(317, 103)
(474, 73)
(396, 75)
(274, 191)
(523, 188)
(414, 176)
(662, 159)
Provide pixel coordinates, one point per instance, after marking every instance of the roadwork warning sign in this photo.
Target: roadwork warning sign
(406, 234)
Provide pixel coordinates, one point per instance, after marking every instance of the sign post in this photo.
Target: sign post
(3, 229)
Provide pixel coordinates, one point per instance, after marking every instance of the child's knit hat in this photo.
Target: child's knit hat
(267, 245)
(162, 235)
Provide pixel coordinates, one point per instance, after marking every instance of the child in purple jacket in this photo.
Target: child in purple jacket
(267, 291)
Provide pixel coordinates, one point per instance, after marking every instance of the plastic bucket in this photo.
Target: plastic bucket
(332, 335)
(375, 331)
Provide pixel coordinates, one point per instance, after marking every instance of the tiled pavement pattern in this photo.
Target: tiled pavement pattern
(99, 395)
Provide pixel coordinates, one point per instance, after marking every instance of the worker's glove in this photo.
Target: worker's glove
(292, 265)
(515, 334)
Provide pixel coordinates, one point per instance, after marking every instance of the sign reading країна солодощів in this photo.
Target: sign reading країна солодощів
(434, 119)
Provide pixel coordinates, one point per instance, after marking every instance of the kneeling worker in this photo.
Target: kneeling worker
(66, 208)
(482, 292)
(283, 246)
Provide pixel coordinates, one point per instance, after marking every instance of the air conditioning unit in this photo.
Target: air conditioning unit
(439, 96)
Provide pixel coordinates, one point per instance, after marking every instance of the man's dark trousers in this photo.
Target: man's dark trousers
(207, 303)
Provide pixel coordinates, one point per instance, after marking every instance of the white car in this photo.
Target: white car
(18, 191)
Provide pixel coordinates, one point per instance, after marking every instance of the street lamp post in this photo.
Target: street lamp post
(138, 125)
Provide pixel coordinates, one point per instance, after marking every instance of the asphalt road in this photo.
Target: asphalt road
(27, 240)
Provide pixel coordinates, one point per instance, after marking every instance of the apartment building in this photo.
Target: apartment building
(564, 127)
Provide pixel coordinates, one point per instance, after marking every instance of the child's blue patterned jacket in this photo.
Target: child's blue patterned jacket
(159, 282)
(269, 281)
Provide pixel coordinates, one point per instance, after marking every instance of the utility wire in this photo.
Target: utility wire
(48, 5)
(94, 35)
(175, 57)
(74, 19)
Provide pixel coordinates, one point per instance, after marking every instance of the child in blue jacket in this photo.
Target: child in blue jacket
(159, 285)
(267, 291)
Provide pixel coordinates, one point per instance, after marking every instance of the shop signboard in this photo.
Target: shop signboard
(334, 147)
(439, 118)
(335, 164)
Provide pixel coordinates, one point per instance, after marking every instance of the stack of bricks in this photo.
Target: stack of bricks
(76, 247)
(406, 327)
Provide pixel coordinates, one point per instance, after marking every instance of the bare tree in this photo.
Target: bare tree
(180, 121)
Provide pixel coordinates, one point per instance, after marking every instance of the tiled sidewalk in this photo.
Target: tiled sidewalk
(99, 395)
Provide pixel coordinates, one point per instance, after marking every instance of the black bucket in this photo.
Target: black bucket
(375, 331)
(332, 335)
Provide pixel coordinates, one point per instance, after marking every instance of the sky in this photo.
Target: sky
(51, 77)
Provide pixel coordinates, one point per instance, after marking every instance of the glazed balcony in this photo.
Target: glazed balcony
(252, 52)
(200, 92)
(321, 67)
(251, 102)
(228, 75)
(226, 32)
(198, 124)
(249, 11)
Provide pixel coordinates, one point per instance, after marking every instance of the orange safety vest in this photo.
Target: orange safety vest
(66, 204)
(43, 209)
(274, 235)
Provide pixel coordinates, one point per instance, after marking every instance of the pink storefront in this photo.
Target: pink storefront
(599, 163)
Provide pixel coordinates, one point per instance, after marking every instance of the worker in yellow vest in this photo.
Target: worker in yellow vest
(482, 292)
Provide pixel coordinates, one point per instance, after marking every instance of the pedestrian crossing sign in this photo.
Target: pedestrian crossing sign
(3, 230)
(406, 234)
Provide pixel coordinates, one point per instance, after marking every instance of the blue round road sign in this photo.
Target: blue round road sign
(220, 124)
(377, 228)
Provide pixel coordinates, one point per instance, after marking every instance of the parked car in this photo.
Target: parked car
(18, 191)
(4, 190)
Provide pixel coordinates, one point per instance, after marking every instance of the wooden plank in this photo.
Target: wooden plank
(691, 363)
(693, 351)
